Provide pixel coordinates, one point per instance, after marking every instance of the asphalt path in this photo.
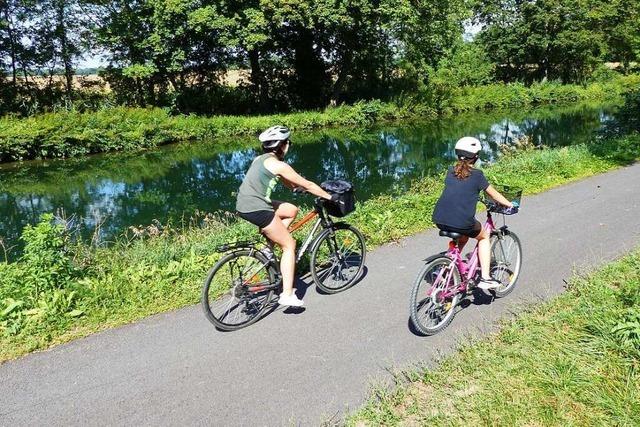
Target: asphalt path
(310, 367)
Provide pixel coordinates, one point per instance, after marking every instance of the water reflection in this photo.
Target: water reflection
(120, 190)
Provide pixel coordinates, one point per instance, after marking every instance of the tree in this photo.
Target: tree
(620, 21)
(542, 39)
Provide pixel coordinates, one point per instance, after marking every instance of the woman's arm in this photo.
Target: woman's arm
(291, 177)
(495, 195)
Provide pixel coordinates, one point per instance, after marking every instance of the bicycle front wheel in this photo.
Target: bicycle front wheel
(238, 289)
(506, 261)
(434, 296)
(337, 258)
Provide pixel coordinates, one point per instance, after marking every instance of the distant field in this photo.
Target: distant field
(96, 83)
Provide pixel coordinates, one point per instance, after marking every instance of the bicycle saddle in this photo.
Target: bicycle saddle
(450, 234)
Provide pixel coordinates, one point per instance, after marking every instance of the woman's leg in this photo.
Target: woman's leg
(277, 232)
(285, 211)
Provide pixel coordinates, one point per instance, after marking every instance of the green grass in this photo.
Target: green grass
(163, 269)
(72, 134)
(572, 361)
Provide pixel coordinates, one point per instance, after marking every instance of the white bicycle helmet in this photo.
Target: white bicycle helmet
(273, 136)
(468, 147)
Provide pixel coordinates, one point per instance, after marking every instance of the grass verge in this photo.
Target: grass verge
(71, 134)
(60, 290)
(572, 361)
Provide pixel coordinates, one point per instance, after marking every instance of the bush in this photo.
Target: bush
(36, 290)
(70, 134)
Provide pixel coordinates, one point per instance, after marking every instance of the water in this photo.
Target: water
(171, 183)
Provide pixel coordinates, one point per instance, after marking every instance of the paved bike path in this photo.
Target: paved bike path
(307, 368)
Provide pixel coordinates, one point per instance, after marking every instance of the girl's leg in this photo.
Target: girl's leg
(462, 241)
(484, 253)
(285, 211)
(277, 232)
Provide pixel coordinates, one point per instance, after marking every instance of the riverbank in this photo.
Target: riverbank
(72, 134)
(61, 290)
(533, 371)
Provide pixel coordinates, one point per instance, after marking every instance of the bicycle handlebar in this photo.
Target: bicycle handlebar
(498, 208)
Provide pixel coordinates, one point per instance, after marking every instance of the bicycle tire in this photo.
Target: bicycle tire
(252, 305)
(324, 251)
(431, 271)
(500, 267)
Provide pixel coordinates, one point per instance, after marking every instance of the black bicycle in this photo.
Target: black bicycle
(241, 286)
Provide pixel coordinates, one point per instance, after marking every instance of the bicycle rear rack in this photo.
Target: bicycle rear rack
(237, 245)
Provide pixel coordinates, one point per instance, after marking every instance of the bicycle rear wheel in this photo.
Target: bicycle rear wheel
(434, 296)
(506, 261)
(337, 258)
(238, 289)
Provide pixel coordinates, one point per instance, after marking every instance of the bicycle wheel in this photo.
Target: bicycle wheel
(435, 296)
(337, 258)
(506, 260)
(232, 297)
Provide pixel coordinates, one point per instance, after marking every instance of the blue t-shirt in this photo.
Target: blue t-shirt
(456, 207)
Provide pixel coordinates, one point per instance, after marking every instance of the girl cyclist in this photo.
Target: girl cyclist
(456, 208)
(273, 217)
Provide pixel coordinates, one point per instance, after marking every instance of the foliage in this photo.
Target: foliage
(554, 39)
(295, 54)
(158, 268)
(467, 65)
(37, 289)
(570, 361)
(70, 134)
(627, 117)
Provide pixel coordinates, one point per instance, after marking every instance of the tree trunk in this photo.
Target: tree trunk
(12, 41)
(64, 46)
(311, 76)
(338, 86)
(260, 85)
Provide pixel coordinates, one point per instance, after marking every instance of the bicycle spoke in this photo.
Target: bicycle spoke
(228, 296)
(506, 260)
(434, 296)
(338, 260)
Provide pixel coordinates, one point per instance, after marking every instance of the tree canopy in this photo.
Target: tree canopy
(302, 54)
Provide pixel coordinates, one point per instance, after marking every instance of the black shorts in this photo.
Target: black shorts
(469, 232)
(259, 218)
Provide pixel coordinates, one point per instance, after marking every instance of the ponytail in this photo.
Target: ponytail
(462, 169)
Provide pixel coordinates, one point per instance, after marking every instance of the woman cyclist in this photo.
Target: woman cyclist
(456, 208)
(273, 217)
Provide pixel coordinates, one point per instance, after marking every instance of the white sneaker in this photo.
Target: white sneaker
(290, 300)
(489, 284)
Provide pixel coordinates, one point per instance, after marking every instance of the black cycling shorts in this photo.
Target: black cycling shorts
(259, 218)
(469, 232)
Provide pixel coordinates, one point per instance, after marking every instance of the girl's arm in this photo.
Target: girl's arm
(291, 177)
(495, 195)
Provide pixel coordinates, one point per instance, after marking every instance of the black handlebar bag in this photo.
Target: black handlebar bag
(345, 203)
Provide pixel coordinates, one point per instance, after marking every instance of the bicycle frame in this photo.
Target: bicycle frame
(467, 269)
(322, 220)
(310, 216)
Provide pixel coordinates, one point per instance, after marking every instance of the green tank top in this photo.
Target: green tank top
(255, 191)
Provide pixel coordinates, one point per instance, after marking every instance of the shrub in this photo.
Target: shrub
(36, 289)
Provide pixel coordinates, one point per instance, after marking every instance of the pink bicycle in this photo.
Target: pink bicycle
(447, 277)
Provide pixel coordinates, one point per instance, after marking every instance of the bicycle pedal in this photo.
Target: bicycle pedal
(471, 286)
